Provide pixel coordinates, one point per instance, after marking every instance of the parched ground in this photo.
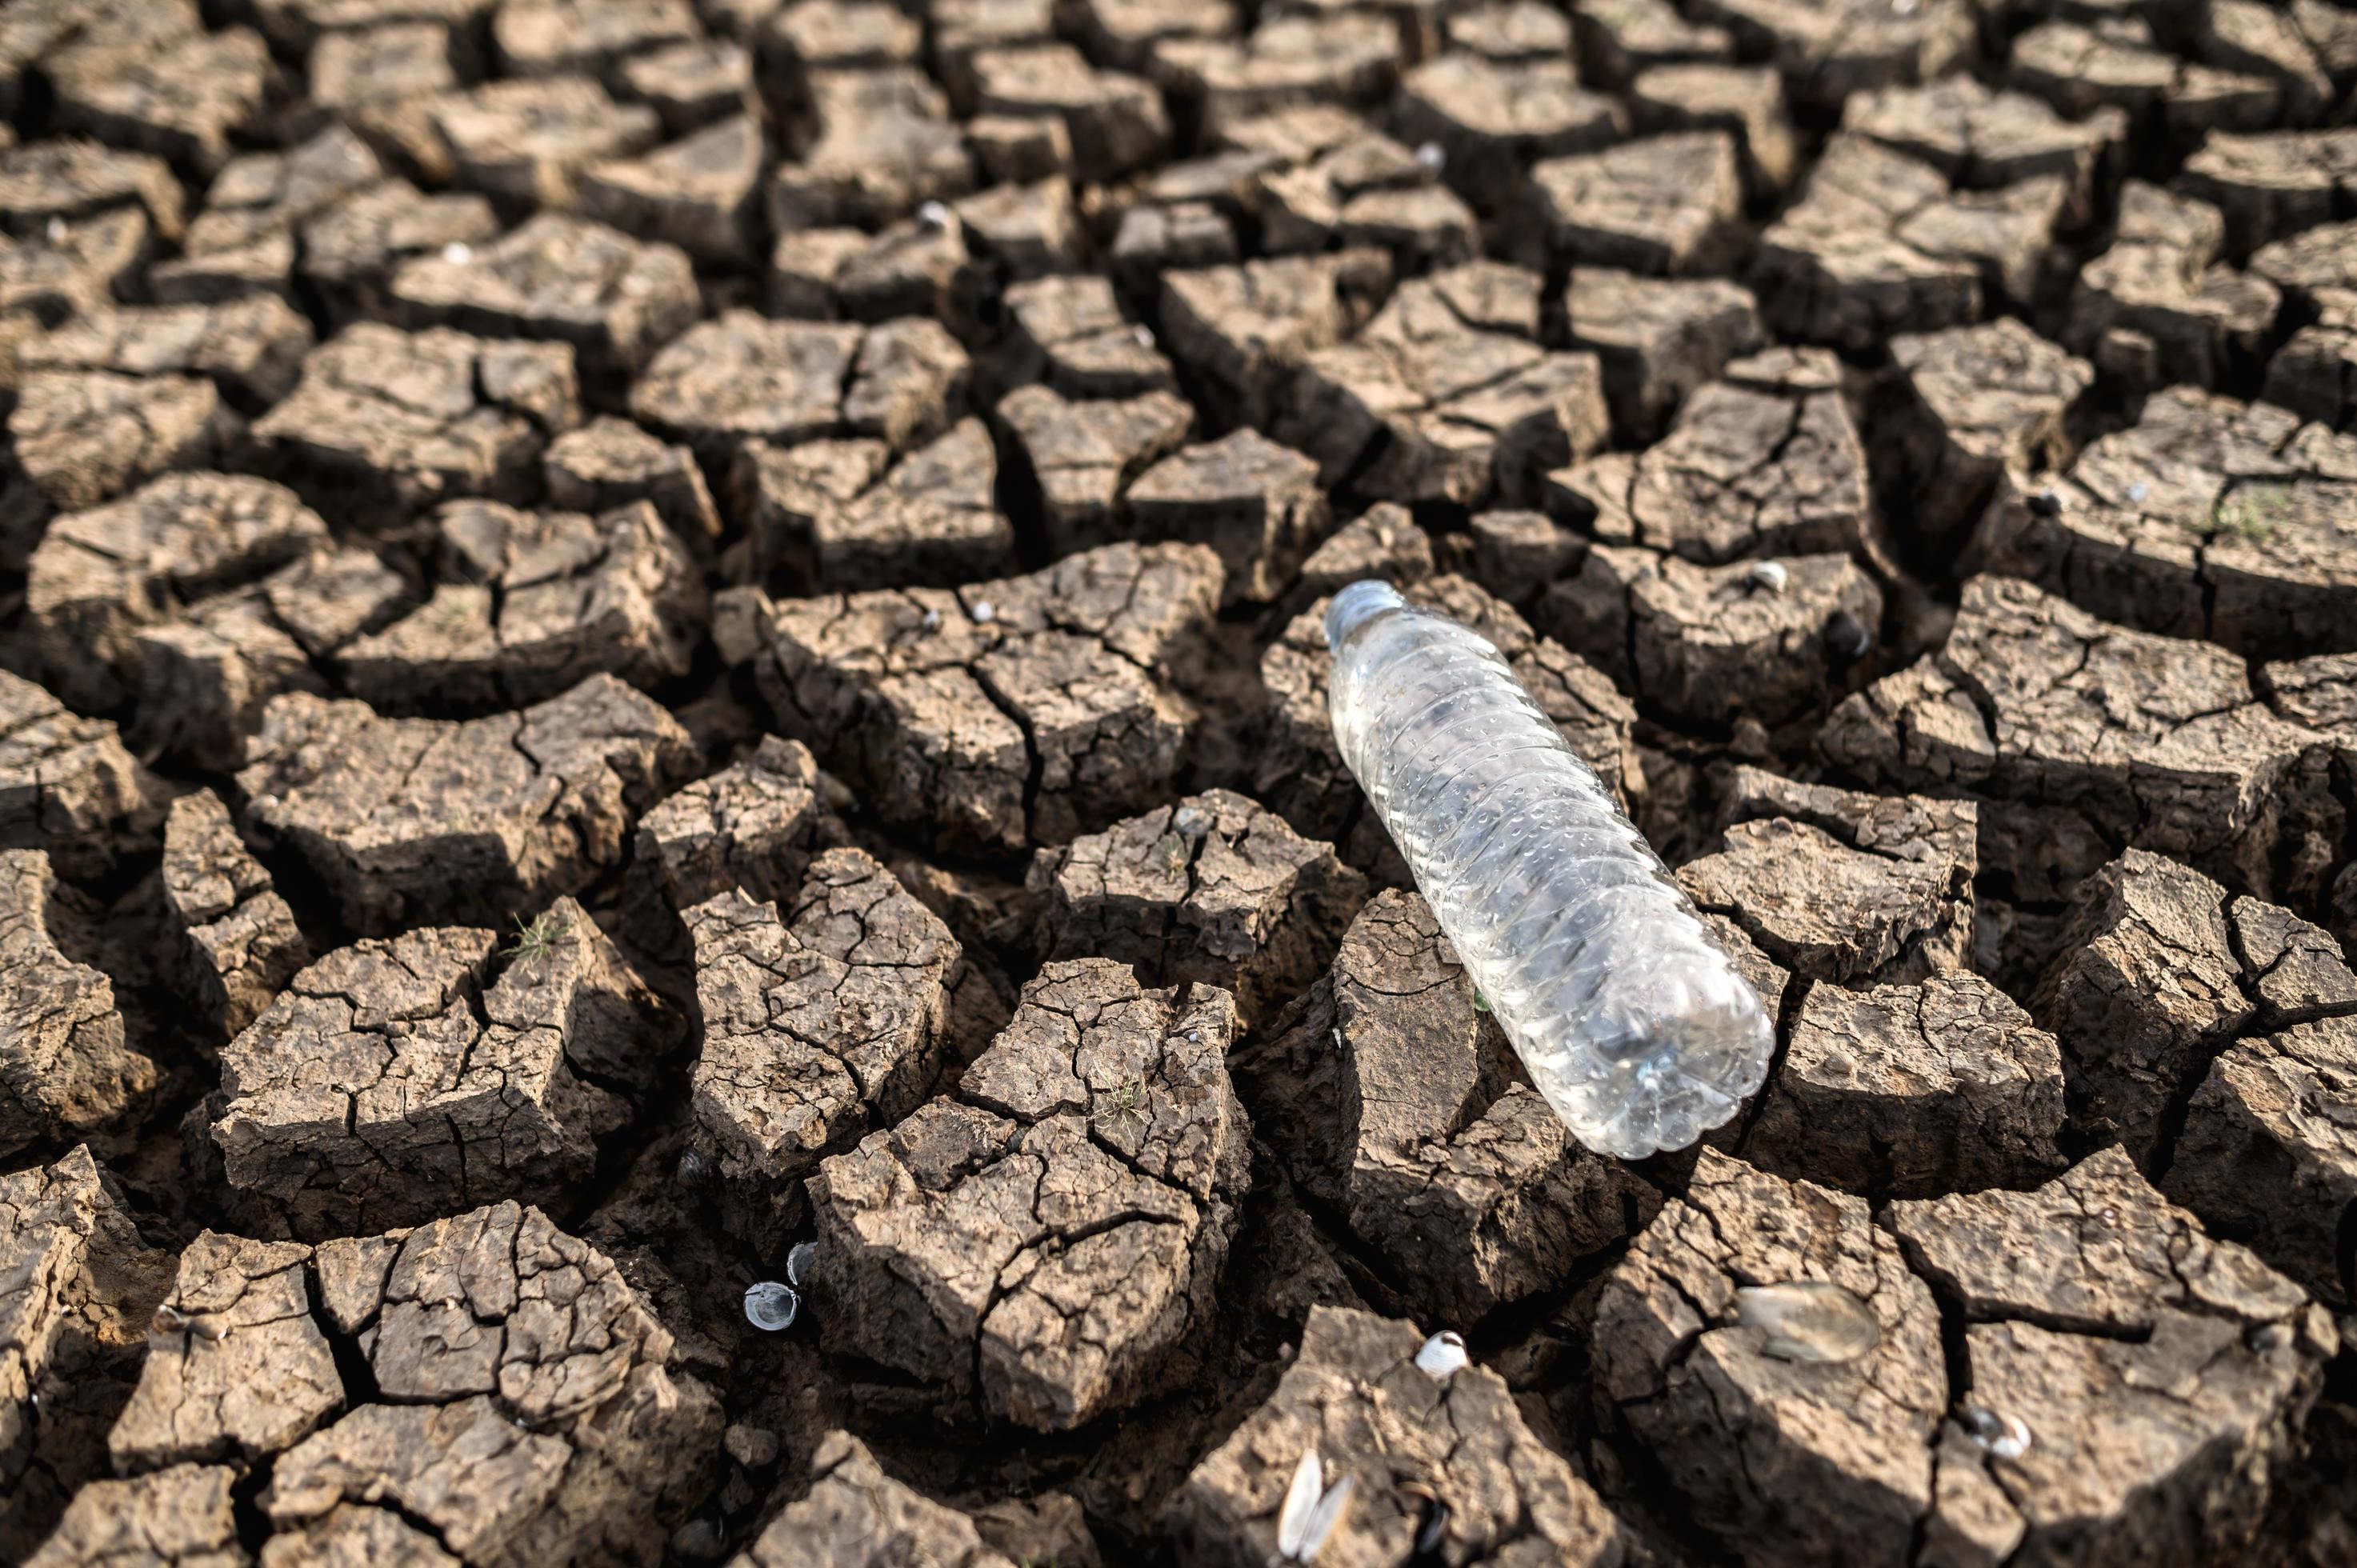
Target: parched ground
(674, 888)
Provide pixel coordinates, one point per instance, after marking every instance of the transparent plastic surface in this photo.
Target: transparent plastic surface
(1626, 1012)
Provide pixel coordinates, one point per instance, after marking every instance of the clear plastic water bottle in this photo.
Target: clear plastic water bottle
(1626, 1012)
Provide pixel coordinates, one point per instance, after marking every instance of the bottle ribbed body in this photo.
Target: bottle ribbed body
(1626, 1012)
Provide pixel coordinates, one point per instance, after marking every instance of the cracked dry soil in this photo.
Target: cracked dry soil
(650, 647)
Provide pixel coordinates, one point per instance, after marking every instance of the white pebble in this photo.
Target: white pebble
(983, 611)
(934, 215)
(933, 621)
(458, 254)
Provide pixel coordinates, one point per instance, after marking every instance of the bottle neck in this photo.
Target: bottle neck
(1355, 605)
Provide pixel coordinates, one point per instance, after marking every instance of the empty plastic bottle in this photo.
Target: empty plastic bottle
(1626, 1012)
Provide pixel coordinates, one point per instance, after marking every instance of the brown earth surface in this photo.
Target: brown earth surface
(654, 649)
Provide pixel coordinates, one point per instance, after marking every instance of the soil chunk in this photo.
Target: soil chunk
(1382, 541)
(1659, 338)
(744, 377)
(1886, 894)
(1714, 643)
(99, 576)
(1213, 890)
(1068, 332)
(611, 464)
(1332, 56)
(531, 604)
(1393, 1097)
(546, 38)
(1243, 330)
(2280, 1102)
(65, 1070)
(2273, 184)
(1258, 504)
(2208, 518)
(613, 298)
(181, 1518)
(1765, 460)
(1084, 456)
(1002, 714)
(1116, 122)
(182, 101)
(239, 942)
(531, 1412)
(67, 785)
(399, 1079)
(753, 825)
(1355, 1396)
(237, 1370)
(853, 1508)
(243, 241)
(77, 1284)
(386, 424)
(1831, 50)
(1785, 1460)
(253, 347)
(2160, 306)
(699, 193)
(1984, 139)
(1912, 1091)
(352, 251)
(1662, 204)
(1977, 402)
(205, 678)
(80, 438)
(1056, 1228)
(1493, 118)
(883, 143)
(527, 140)
(2128, 1374)
(930, 520)
(2019, 706)
(825, 1014)
(409, 821)
(2159, 970)
(1880, 244)
(1425, 405)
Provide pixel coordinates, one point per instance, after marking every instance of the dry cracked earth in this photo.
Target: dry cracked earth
(650, 647)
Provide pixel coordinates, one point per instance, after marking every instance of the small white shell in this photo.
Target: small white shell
(771, 1305)
(934, 215)
(797, 1260)
(1431, 158)
(1301, 1497)
(1770, 577)
(1443, 1356)
(2007, 1436)
(983, 612)
(458, 253)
